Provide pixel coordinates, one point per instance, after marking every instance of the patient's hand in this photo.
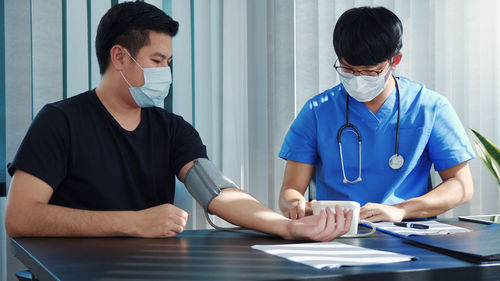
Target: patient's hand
(323, 227)
(161, 221)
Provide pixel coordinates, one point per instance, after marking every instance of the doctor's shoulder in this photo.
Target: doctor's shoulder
(325, 98)
(424, 96)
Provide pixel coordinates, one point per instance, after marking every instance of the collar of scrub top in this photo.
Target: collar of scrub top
(396, 161)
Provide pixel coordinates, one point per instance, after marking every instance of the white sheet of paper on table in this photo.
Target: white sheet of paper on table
(331, 254)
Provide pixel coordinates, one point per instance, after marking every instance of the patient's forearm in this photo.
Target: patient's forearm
(240, 208)
(39, 219)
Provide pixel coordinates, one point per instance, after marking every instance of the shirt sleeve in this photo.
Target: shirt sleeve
(300, 142)
(187, 145)
(448, 144)
(44, 150)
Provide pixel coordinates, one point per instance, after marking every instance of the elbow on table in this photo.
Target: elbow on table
(11, 228)
(15, 224)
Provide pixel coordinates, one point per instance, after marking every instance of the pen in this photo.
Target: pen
(412, 225)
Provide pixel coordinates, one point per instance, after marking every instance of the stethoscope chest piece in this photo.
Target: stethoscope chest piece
(396, 161)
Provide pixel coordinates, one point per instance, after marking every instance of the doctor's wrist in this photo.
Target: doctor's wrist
(401, 211)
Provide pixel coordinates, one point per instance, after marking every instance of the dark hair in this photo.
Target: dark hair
(367, 36)
(128, 24)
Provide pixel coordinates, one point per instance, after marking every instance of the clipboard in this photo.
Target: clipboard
(434, 228)
(480, 246)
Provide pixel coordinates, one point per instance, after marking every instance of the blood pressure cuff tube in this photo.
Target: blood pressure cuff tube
(204, 181)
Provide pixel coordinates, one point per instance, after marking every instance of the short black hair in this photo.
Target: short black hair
(128, 24)
(367, 36)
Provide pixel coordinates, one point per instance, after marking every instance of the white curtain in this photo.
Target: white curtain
(236, 85)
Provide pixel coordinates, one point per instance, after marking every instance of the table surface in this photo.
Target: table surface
(218, 255)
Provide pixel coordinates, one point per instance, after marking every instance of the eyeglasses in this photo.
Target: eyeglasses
(346, 72)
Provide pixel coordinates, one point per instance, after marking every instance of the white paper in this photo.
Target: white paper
(331, 254)
(435, 228)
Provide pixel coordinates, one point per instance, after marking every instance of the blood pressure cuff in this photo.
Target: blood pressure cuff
(204, 181)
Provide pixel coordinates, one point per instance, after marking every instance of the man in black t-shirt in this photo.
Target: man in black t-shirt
(103, 163)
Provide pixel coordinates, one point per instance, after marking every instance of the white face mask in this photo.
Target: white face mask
(157, 82)
(364, 90)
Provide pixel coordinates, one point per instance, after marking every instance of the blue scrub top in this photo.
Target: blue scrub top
(430, 132)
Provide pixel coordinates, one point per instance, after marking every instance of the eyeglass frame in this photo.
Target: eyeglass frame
(338, 69)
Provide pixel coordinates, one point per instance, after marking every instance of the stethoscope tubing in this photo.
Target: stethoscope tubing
(358, 135)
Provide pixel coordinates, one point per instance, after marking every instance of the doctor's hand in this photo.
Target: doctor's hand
(379, 212)
(293, 205)
(323, 227)
(164, 220)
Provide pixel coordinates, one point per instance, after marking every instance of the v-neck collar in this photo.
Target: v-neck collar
(361, 111)
(105, 111)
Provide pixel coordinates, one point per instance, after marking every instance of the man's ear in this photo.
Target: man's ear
(117, 54)
(396, 60)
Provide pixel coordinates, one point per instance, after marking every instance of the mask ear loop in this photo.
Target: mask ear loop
(130, 86)
(133, 59)
(135, 63)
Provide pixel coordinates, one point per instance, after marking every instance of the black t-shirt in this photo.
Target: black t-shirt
(92, 163)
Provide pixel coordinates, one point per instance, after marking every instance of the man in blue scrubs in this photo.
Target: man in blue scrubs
(367, 42)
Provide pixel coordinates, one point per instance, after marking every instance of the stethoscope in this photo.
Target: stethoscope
(396, 161)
